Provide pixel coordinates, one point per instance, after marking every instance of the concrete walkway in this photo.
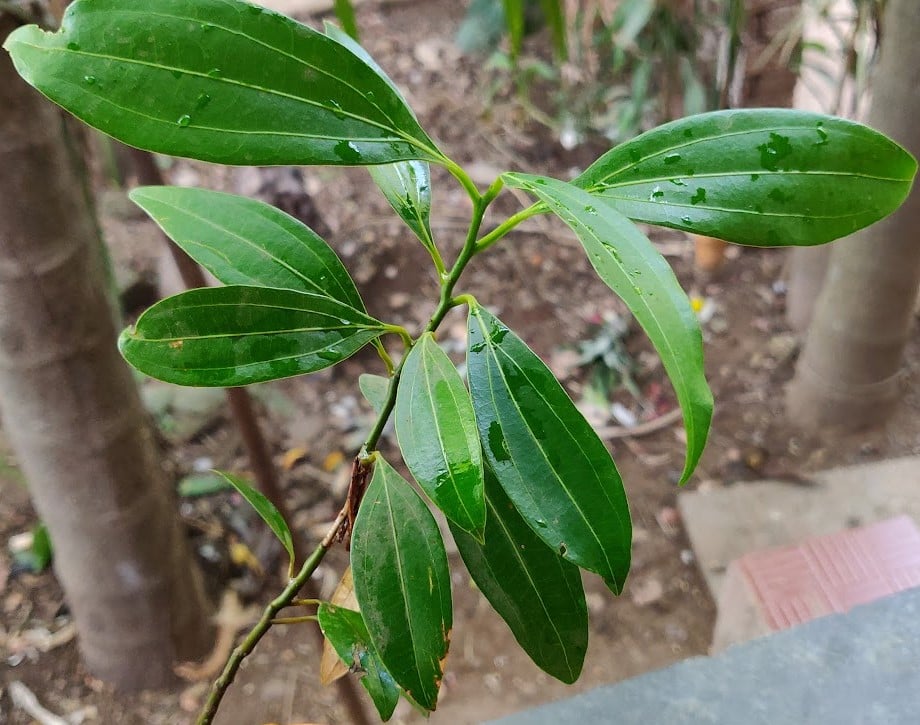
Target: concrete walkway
(858, 668)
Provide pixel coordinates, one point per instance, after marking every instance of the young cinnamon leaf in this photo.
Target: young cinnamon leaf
(345, 12)
(244, 241)
(403, 583)
(538, 593)
(765, 177)
(545, 455)
(238, 335)
(265, 508)
(437, 435)
(374, 388)
(346, 631)
(218, 80)
(406, 185)
(629, 264)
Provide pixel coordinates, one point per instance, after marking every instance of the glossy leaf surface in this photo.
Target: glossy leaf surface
(265, 508)
(545, 455)
(374, 388)
(218, 80)
(406, 185)
(237, 335)
(629, 264)
(403, 583)
(767, 177)
(437, 435)
(535, 591)
(346, 631)
(248, 242)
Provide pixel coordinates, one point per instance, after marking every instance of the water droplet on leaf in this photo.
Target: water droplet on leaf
(699, 197)
(184, 120)
(89, 80)
(671, 159)
(203, 100)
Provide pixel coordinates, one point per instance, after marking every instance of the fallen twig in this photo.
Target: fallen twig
(613, 432)
(25, 700)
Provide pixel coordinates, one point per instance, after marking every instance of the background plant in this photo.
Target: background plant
(529, 490)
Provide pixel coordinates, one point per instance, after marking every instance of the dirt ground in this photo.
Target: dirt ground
(540, 283)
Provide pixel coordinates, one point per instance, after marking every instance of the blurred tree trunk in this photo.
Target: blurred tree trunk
(73, 414)
(848, 373)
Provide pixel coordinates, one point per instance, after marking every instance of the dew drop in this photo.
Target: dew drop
(686, 219)
(591, 210)
(176, 73)
(327, 354)
(671, 159)
(699, 197)
(89, 80)
(203, 100)
(657, 193)
(678, 182)
(214, 72)
(73, 46)
(541, 523)
(822, 136)
(754, 177)
(184, 120)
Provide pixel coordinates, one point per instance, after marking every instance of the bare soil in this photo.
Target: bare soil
(540, 283)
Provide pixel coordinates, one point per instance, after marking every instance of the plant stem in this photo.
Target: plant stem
(506, 226)
(446, 302)
(219, 688)
(294, 620)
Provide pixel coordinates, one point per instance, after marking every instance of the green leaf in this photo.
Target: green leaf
(407, 187)
(546, 456)
(375, 389)
(345, 12)
(514, 22)
(535, 591)
(402, 583)
(347, 632)
(629, 264)
(765, 177)
(38, 555)
(436, 429)
(554, 14)
(244, 241)
(218, 80)
(202, 484)
(238, 335)
(266, 509)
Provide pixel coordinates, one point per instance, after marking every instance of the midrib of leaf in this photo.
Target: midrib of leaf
(274, 49)
(719, 136)
(339, 112)
(419, 655)
(533, 584)
(575, 439)
(245, 366)
(527, 427)
(678, 370)
(730, 210)
(437, 425)
(265, 252)
(285, 331)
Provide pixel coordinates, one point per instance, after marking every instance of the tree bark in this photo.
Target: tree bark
(73, 414)
(848, 374)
